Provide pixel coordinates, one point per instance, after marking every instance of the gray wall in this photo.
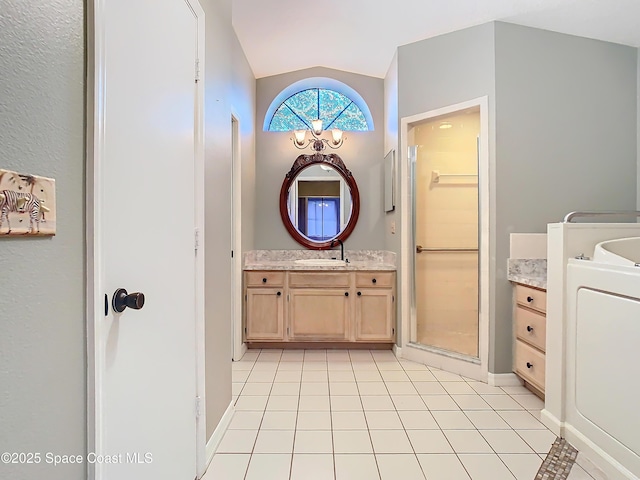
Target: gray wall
(230, 86)
(42, 306)
(566, 110)
(446, 70)
(362, 153)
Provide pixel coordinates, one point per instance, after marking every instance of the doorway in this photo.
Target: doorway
(238, 346)
(445, 239)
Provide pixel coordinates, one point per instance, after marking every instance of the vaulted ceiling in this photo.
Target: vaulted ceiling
(361, 36)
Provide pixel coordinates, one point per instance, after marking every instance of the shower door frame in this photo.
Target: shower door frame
(472, 367)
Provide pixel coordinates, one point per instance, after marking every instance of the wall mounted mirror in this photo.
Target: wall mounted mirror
(319, 200)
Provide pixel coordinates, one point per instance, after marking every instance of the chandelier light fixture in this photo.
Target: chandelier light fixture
(317, 143)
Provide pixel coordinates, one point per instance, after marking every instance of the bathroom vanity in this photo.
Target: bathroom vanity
(294, 301)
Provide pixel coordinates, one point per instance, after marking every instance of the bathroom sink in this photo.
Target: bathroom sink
(319, 262)
(622, 251)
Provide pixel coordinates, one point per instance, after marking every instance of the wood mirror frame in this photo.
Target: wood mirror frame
(300, 164)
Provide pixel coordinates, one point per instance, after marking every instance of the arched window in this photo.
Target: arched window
(336, 104)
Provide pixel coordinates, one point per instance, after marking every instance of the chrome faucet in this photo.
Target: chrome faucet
(333, 242)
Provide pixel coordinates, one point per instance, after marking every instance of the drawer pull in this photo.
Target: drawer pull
(373, 281)
(279, 293)
(529, 299)
(264, 280)
(529, 328)
(359, 294)
(529, 365)
(346, 294)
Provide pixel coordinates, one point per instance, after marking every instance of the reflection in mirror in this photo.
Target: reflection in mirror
(319, 203)
(319, 200)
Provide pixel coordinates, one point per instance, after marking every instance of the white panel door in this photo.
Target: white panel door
(146, 358)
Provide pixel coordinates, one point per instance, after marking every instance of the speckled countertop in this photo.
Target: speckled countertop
(286, 260)
(528, 271)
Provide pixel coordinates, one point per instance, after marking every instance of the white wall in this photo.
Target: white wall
(362, 152)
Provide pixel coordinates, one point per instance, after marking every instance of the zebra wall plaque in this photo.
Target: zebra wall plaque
(27, 204)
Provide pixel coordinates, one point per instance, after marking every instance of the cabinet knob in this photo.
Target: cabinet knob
(264, 280)
(346, 294)
(279, 293)
(359, 294)
(529, 328)
(373, 280)
(529, 365)
(529, 299)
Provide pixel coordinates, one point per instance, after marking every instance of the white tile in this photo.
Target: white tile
(421, 376)
(470, 402)
(269, 467)
(279, 420)
(250, 355)
(429, 441)
(314, 376)
(408, 402)
(467, 441)
(257, 403)
(502, 402)
(292, 356)
(286, 376)
(285, 389)
(283, 403)
(314, 389)
(340, 366)
(443, 376)
(338, 356)
(243, 420)
(241, 366)
(348, 421)
(377, 402)
(345, 403)
(440, 467)
(505, 441)
(429, 388)
(364, 366)
(515, 390)
(367, 375)
(414, 366)
(314, 421)
(395, 467)
(401, 388)
(484, 389)
(227, 466)
(236, 388)
(315, 355)
(257, 389)
(460, 388)
(389, 366)
(265, 366)
(261, 376)
(577, 473)
(352, 441)
(315, 367)
(390, 441)
(418, 420)
(237, 441)
(521, 420)
(312, 467)
(274, 441)
(394, 376)
(314, 403)
(341, 388)
(487, 420)
(356, 467)
(485, 467)
(440, 402)
(313, 441)
(372, 388)
(588, 466)
(539, 440)
(240, 375)
(290, 367)
(522, 466)
(383, 420)
(340, 376)
(529, 401)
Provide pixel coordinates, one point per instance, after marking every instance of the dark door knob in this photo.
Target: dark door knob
(374, 280)
(359, 294)
(122, 299)
(529, 299)
(529, 365)
(529, 328)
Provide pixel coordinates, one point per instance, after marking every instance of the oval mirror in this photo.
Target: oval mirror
(319, 201)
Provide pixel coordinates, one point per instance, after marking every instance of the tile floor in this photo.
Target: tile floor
(365, 415)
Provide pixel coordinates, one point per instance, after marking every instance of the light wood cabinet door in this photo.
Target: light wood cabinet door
(265, 314)
(374, 315)
(319, 314)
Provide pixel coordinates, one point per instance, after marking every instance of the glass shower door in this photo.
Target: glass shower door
(445, 227)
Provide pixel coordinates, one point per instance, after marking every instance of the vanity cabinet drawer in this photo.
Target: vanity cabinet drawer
(264, 279)
(319, 279)
(531, 327)
(529, 363)
(374, 279)
(531, 297)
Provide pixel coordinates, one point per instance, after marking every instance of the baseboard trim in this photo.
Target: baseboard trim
(397, 351)
(504, 380)
(552, 422)
(241, 352)
(218, 433)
